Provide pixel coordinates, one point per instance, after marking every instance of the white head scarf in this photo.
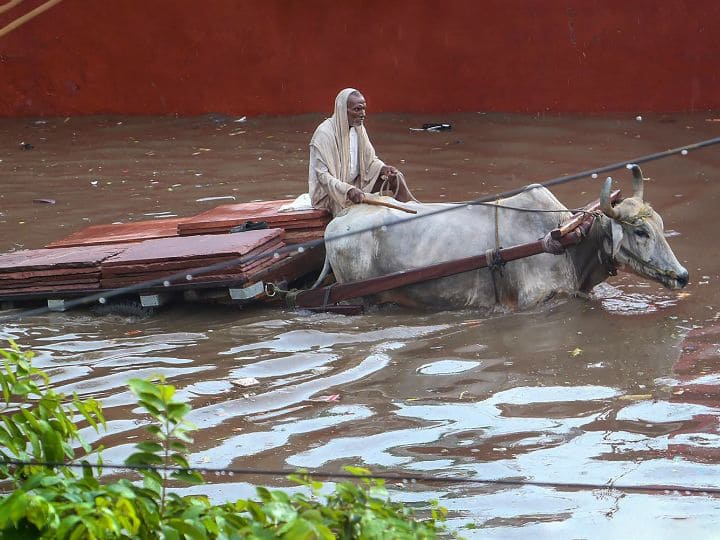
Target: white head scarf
(331, 141)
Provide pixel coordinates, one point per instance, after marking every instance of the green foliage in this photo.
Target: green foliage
(49, 499)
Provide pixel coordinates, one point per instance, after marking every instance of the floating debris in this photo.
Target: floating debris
(245, 382)
(220, 198)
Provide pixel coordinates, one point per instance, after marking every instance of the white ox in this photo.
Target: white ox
(630, 235)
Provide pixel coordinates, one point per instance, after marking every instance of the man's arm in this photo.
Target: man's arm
(336, 189)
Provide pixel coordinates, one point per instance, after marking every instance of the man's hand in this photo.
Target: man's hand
(355, 195)
(388, 171)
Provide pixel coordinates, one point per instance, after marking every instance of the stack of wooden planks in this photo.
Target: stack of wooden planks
(53, 270)
(149, 252)
(299, 225)
(239, 257)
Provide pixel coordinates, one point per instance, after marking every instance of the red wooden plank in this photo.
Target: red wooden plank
(310, 223)
(47, 274)
(71, 257)
(44, 289)
(108, 281)
(172, 266)
(298, 237)
(195, 247)
(120, 233)
(56, 280)
(230, 215)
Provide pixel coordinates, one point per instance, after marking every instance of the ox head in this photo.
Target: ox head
(638, 241)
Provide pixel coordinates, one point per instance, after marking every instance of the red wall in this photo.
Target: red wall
(287, 57)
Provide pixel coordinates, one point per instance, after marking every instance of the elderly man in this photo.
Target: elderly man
(343, 164)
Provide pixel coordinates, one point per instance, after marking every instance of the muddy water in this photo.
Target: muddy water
(578, 392)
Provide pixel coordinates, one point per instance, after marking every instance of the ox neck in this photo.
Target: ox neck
(592, 257)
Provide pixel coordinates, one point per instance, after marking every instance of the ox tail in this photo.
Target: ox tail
(323, 274)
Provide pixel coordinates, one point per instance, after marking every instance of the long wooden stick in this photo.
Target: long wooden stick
(378, 202)
(29, 15)
(11, 4)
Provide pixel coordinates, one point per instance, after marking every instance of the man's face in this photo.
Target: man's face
(356, 108)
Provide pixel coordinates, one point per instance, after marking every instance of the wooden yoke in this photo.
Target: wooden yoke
(571, 233)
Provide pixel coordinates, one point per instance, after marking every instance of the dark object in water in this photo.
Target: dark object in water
(44, 201)
(250, 226)
(26, 146)
(437, 127)
(433, 127)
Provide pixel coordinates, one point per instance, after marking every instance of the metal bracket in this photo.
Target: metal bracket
(56, 304)
(154, 300)
(247, 293)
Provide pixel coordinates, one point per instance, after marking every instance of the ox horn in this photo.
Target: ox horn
(637, 182)
(605, 203)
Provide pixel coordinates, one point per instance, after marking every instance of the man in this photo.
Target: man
(343, 164)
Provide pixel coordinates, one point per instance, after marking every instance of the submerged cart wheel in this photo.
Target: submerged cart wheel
(124, 308)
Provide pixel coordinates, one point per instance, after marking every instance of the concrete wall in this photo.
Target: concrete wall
(286, 57)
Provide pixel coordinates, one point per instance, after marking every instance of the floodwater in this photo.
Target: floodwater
(578, 392)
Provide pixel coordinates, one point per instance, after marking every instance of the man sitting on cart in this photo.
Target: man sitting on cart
(343, 164)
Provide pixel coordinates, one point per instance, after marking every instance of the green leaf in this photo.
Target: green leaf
(190, 477)
(167, 392)
(52, 446)
(38, 511)
(177, 446)
(139, 386)
(180, 460)
(90, 410)
(67, 524)
(143, 458)
(151, 447)
(280, 512)
(176, 411)
(299, 529)
(188, 528)
(156, 431)
(121, 490)
(153, 482)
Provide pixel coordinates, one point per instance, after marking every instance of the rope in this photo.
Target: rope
(404, 478)
(17, 23)
(11, 4)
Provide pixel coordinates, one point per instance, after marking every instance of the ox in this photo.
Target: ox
(629, 234)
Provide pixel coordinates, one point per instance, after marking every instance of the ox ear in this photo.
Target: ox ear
(617, 236)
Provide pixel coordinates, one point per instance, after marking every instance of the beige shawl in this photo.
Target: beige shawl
(329, 172)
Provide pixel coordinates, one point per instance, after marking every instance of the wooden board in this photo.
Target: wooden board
(121, 233)
(170, 266)
(299, 237)
(232, 273)
(49, 274)
(226, 216)
(44, 289)
(223, 227)
(52, 281)
(196, 247)
(55, 259)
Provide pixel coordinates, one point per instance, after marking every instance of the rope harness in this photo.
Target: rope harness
(493, 258)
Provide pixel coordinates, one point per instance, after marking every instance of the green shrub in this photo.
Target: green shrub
(49, 499)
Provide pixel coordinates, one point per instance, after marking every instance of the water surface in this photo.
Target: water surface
(581, 391)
